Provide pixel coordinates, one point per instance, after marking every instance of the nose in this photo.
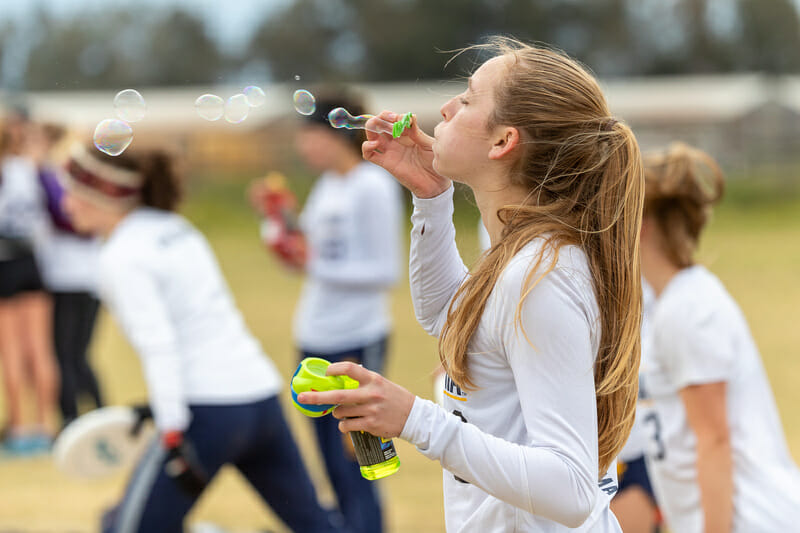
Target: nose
(447, 108)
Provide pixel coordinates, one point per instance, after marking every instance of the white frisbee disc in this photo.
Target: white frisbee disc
(99, 443)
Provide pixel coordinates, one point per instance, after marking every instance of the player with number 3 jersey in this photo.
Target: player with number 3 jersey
(718, 458)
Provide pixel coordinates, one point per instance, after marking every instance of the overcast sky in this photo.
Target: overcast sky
(230, 21)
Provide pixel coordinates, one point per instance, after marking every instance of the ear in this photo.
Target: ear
(505, 140)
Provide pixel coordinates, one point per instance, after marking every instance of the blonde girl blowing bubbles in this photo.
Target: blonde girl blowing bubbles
(540, 340)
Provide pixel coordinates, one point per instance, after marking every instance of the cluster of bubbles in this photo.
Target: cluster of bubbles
(113, 135)
(235, 109)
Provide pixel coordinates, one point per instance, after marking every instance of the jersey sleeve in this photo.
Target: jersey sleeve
(696, 345)
(555, 473)
(436, 270)
(132, 294)
(377, 262)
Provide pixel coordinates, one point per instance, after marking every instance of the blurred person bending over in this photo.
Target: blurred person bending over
(69, 268)
(718, 458)
(212, 390)
(351, 225)
(26, 350)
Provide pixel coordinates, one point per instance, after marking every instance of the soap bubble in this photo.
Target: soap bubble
(236, 109)
(129, 105)
(341, 118)
(255, 96)
(113, 136)
(304, 102)
(210, 107)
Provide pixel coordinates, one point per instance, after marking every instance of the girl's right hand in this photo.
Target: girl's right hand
(408, 158)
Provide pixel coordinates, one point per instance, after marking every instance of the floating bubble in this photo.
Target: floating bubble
(255, 96)
(129, 105)
(236, 109)
(304, 102)
(341, 118)
(210, 107)
(113, 136)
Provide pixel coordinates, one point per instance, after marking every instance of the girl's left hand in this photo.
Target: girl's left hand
(377, 406)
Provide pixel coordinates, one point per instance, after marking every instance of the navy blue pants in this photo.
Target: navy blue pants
(74, 315)
(252, 437)
(359, 500)
(635, 474)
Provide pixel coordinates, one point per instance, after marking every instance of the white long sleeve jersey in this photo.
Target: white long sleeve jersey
(22, 202)
(699, 336)
(520, 453)
(352, 225)
(69, 262)
(162, 283)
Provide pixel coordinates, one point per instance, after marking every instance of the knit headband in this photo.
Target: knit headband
(103, 183)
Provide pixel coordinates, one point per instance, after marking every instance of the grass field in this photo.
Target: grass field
(752, 245)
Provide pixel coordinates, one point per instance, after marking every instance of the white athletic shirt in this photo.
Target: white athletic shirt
(161, 281)
(352, 225)
(70, 262)
(527, 457)
(700, 336)
(22, 201)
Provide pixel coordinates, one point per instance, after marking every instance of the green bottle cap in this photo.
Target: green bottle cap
(310, 376)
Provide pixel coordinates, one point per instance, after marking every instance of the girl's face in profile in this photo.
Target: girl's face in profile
(463, 138)
(319, 146)
(85, 216)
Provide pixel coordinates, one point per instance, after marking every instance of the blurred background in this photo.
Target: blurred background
(723, 75)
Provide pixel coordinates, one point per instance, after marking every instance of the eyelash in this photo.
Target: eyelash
(463, 101)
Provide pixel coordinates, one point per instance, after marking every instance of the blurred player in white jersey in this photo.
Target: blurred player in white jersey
(68, 261)
(212, 390)
(718, 457)
(26, 347)
(351, 227)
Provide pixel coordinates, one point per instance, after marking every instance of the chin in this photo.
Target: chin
(81, 227)
(444, 172)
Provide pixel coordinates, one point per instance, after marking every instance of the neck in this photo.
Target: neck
(491, 199)
(657, 270)
(347, 162)
(111, 221)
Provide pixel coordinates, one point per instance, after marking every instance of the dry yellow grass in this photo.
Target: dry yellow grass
(754, 251)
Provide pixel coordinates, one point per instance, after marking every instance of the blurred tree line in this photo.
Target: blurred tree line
(387, 40)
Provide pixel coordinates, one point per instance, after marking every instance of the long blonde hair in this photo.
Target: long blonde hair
(681, 186)
(583, 171)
